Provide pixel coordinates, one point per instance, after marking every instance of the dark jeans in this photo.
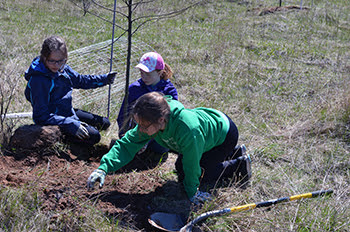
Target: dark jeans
(221, 161)
(101, 123)
(95, 124)
(155, 147)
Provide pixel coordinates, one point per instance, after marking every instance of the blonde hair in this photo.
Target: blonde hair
(166, 73)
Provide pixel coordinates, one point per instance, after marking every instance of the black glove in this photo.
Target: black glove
(111, 77)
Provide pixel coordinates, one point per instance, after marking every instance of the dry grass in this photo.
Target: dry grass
(282, 77)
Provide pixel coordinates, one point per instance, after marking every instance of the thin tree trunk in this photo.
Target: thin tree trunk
(127, 75)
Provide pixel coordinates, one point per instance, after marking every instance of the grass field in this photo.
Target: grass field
(283, 77)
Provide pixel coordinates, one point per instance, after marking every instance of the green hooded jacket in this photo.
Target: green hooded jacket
(190, 132)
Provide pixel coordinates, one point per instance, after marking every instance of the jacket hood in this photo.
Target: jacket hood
(36, 68)
(175, 106)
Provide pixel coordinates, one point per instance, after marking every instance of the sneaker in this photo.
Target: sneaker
(245, 170)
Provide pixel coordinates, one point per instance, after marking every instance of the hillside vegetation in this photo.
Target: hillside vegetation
(282, 75)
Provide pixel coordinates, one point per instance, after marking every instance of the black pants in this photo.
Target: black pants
(221, 161)
(95, 124)
(100, 123)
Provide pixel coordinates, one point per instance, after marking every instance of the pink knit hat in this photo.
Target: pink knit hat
(150, 62)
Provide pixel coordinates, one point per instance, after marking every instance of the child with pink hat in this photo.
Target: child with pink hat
(155, 76)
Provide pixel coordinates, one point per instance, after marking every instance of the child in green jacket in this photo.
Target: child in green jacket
(206, 139)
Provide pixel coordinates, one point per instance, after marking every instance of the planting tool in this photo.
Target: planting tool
(166, 221)
(173, 222)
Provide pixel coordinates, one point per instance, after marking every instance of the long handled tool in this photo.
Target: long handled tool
(171, 222)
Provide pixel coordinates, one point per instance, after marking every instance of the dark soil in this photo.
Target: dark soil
(59, 174)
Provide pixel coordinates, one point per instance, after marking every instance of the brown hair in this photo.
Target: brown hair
(166, 73)
(51, 44)
(151, 107)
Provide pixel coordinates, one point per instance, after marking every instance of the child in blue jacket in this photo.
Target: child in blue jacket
(49, 90)
(155, 77)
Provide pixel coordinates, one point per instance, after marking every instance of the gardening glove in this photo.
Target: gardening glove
(143, 149)
(96, 175)
(201, 197)
(111, 77)
(82, 132)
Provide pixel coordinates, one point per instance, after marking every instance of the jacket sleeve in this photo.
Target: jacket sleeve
(171, 90)
(80, 81)
(120, 119)
(124, 150)
(40, 88)
(124, 119)
(192, 147)
(135, 91)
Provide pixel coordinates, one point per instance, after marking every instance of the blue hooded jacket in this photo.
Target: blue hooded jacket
(136, 90)
(51, 94)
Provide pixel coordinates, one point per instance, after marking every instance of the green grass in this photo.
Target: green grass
(20, 211)
(282, 77)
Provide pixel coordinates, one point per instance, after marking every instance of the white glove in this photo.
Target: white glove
(82, 132)
(201, 197)
(96, 175)
(143, 149)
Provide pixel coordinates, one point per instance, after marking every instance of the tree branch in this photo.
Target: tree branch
(168, 15)
(161, 16)
(106, 8)
(106, 20)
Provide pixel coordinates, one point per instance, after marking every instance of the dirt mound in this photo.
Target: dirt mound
(59, 175)
(272, 10)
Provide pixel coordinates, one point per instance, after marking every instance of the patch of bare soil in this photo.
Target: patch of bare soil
(131, 194)
(272, 10)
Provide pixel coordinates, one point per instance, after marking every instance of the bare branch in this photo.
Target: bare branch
(157, 17)
(115, 40)
(106, 20)
(106, 8)
(167, 15)
(8, 88)
(143, 2)
(86, 5)
(7, 95)
(136, 4)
